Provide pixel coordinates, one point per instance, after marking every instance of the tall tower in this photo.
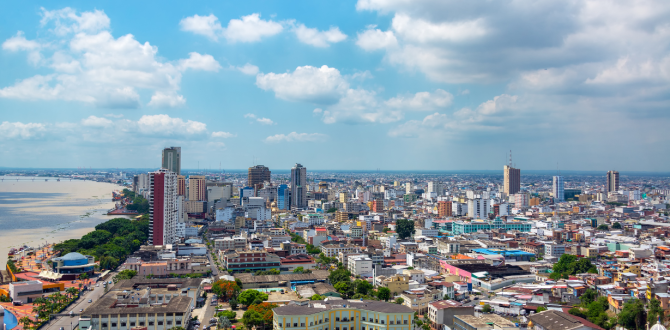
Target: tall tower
(512, 178)
(163, 207)
(197, 188)
(612, 181)
(558, 189)
(257, 175)
(172, 159)
(298, 186)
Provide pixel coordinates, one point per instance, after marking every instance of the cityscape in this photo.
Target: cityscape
(335, 165)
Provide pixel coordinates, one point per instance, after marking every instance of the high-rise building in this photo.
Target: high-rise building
(612, 181)
(478, 208)
(283, 197)
(181, 185)
(257, 175)
(163, 207)
(444, 209)
(172, 159)
(298, 186)
(558, 189)
(197, 188)
(408, 188)
(435, 187)
(512, 183)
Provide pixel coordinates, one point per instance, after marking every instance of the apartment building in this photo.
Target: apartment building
(252, 260)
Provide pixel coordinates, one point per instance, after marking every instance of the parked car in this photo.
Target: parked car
(90, 300)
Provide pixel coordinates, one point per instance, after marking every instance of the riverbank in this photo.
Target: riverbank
(39, 212)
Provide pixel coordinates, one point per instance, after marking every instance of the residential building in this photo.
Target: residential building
(554, 250)
(396, 284)
(298, 186)
(257, 176)
(478, 208)
(181, 185)
(197, 188)
(172, 159)
(252, 260)
(483, 322)
(444, 209)
(555, 320)
(333, 249)
(163, 208)
(464, 227)
(360, 265)
(442, 313)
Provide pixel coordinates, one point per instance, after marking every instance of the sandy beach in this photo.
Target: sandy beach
(38, 212)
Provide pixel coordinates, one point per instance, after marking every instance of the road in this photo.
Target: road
(67, 322)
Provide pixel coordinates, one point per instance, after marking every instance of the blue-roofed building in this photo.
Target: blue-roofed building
(509, 255)
(73, 264)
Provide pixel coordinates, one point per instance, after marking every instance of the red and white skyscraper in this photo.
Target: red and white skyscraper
(163, 207)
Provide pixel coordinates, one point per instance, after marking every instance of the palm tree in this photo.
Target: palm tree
(26, 322)
(72, 292)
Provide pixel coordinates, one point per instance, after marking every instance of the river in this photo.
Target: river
(39, 212)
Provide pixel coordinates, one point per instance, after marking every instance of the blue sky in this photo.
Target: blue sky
(390, 84)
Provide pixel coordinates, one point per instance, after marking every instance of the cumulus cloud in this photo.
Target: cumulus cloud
(250, 28)
(316, 38)
(94, 121)
(296, 137)
(374, 39)
(307, 83)
(164, 125)
(263, 120)
(422, 101)
(20, 131)
(248, 69)
(90, 65)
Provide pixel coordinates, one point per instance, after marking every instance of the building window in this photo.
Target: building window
(160, 322)
(404, 322)
(142, 323)
(132, 324)
(113, 324)
(177, 322)
(151, 323)
(295, 325)
(104, 325)
(363, 319)
(302, 324)
(337, 318)
(169, 322)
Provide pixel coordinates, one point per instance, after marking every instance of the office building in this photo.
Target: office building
(197, 188)
(181, 185)
(612, 181)
(298, 186)
(343, 314)
(257, 176)
(463, 227)
(444, 209)
(283, 197)
(558, 189)
(478, 208)
(435, 187)
(512, 183)
(442, 313)
(163, 207)
(172, 159)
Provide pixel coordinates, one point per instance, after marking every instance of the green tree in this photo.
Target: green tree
(603, 227)
(345, 288)
(399, 301)
(298, 270)
(404, 228)
(486, 308)
(633, 315)
(363, 286)
(332, 210)
(316, 297)
(228, 314)
(126, 274)
(655, 311)
(616, 225)
(541, 309)
(384, 294)
(248, 297)
(339, 275)
(588, 297)
(576, 311)
(233, 304)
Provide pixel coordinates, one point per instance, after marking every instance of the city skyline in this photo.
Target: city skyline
(436, 85)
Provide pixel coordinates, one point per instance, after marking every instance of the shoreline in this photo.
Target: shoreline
(39, 212)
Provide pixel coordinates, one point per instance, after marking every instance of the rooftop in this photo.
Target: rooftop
(318, 306)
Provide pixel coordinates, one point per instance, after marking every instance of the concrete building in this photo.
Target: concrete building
(558, 189)
(298, 186)
(554, 250)
(197, 188)
(283, 197)
(257, 176)
(73, 264)
(512, 180)
(342, 315)
(482, 322)
(172, 159)
(397, 284)
(444, 209)
(252, 260)
(478, 208)
(360, 265)
(442, 313)
(163, 207)
(612, 181)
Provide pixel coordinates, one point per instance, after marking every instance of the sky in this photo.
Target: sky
(337, 85)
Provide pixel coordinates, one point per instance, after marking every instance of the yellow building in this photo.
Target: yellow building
(396, 284)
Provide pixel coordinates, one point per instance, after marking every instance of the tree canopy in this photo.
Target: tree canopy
(404, 228)
(569, 265)
(248, 297)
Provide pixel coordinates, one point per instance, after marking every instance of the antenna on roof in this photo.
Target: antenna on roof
(510, 158)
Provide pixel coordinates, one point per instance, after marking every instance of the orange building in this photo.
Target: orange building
(444, 209)
(378, 205)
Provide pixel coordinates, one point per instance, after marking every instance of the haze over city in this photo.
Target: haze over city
(347, 85)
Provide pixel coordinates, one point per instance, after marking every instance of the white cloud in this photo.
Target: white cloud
(264, 121)
(423, 31)
(113, 115)
(208, 26)
(251, 28)
(316, 38)
(374, 39)
(20, 131)
(164, 125)
(92, 66)
(20, 43)
(197, 61)
(422, 101)
(322, 85)
(93, 121)
(296, 137)
(67, 21)
(223, 135)
(248, 69)
(166, 100)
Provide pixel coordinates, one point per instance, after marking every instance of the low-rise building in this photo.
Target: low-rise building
(442, 313)
(252, 260)
(482, 322)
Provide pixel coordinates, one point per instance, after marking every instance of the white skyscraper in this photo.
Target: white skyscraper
(478, 208)
(435, 187)
(557, 189)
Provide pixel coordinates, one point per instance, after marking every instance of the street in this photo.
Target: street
(69, 323)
